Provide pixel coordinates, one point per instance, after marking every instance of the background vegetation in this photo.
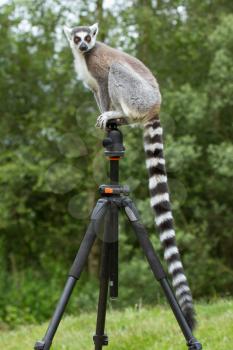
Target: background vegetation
(51, 158)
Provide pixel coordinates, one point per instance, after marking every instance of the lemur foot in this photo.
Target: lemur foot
(105, 117)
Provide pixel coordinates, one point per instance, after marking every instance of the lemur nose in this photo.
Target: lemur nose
(83, 47)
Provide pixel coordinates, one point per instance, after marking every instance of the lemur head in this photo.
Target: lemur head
(82, 39)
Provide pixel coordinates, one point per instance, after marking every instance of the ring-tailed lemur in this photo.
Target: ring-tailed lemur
(124, 87)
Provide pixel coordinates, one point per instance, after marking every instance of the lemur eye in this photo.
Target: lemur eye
(77, 39)
(88, 38)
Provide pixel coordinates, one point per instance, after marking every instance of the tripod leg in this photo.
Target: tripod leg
(106, 272)
(101, 339)
(158, 271)
(114, 248)
(114, 251)
(74, 274)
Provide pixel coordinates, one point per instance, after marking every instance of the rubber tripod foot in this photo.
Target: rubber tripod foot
(42, 345)
(39, 345)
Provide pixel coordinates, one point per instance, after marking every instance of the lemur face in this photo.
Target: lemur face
(82, 39)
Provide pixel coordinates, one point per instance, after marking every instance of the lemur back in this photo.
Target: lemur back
(124, 87)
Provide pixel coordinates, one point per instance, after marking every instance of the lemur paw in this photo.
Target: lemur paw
(102, 121)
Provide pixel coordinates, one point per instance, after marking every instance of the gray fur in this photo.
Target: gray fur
(77, 30)
(103, 95)
(130, 93)
(124, 83)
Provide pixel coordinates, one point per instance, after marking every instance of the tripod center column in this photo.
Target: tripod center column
(114, 150)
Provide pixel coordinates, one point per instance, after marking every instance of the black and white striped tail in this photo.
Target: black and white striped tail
(160, 202)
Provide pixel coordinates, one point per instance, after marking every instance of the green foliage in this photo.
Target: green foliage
(51, 159)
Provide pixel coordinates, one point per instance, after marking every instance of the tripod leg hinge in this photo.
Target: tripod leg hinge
(193, 344)
(100, 339)
(99, 209)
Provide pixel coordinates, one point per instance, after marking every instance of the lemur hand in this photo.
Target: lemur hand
(105, 117)
(102, 121)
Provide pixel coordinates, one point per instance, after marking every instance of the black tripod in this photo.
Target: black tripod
(113, 198)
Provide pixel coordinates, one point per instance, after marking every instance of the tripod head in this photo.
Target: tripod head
(113, 142)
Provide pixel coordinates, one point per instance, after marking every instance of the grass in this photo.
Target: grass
(146, 329)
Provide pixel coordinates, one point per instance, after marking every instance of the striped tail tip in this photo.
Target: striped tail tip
(189, 315)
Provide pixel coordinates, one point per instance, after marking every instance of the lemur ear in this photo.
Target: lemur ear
(94, 29)
(67, 32)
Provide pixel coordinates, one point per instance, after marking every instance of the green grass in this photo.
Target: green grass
(147, 329)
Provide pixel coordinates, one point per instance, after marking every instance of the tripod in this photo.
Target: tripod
(113, 198)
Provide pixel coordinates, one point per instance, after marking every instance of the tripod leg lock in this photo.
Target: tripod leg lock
(100, 340)
(193, 344)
